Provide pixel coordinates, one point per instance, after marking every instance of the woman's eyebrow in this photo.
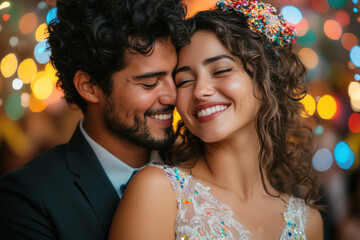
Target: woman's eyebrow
(216, 58)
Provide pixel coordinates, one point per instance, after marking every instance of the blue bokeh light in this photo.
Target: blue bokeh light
(41, 52)
(292, 14)
(355, 10)
(355, 1)
(344, 156)
(355, 55)
(318, 130)
(51, 15)
(357, 77)
(322, 160)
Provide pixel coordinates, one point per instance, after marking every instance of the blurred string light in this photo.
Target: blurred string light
(342, 17)
(326, 107)
(6, 17)
(51, 15)
(36, 105)
(4, 5)
(322, 160)
(337, 3)
(302, 27)
(14, 41)
(51, 72)
(25, 100)
(355, 55)
(28, 23)
(354, 123)
(42, 85)
(309, 104)
(357, 77)
(355, 105)
(355, 10)
(41, 52)
(308, 39)
(309, 57)
(354, 90)
(349, 40)
(27, 70)
(344, 156)
(41, 32)
(321, 6)
(319, 130)
(355, 1)
(332, 29)
(291, 14)
(13, 107)
(9, 65)
(17, 84)
(42, 5)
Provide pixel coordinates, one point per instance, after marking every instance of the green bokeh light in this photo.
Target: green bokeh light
(13, 107)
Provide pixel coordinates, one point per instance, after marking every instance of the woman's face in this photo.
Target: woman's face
(214, 93)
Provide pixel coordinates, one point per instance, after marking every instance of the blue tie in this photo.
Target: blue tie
(123, 186)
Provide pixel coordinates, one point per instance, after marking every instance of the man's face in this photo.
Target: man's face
(140, 107)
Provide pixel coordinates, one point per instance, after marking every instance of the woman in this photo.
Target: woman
(243, 154)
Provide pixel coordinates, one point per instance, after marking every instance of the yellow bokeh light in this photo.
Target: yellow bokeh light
(354, 91)
(309, 104)
(326, 107)
(42, 85)
(41, 32)
(4, 5)
(309, 57)
(9, 65)
(28, 23)
(36, 105)
(27, 70)
(51, 72)
(176, 119)
(355, 105)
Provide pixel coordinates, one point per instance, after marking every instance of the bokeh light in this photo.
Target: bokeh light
(27, 70)
(4, 5)
(337, 3)
(291, 14)
(51, 15)
(25, 100)
(332, 29)
(41, 52)
(36, 105)
(355, 56)
(42, 5)
(6, 17)
(9, 65)
(42, 85)
(28, 23)
(355, 105)
(326, 107)
(349, 40)
(321, 6)
(51, 72)
(309, 104)
(354, 123)
(14, 41)
(17, 84)
(41, 32)
(354, 91)
(319, 130)
(309, 57)
(13, 107)
(357, 77)
(322, 160)
(343, 18)
(302, 27)
(344, 156)
(308, 39)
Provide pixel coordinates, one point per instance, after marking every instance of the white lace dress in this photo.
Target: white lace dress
(200, 216)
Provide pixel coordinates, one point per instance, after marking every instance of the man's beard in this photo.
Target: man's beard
(137, 133)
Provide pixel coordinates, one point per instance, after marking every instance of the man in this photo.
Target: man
(115, 60)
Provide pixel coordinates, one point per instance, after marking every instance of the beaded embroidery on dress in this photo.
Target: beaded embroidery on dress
(200, 216)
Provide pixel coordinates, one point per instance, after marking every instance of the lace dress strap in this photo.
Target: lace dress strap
(295, 218)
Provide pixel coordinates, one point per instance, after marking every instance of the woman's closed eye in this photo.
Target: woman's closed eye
(182, 83)
(218, 72)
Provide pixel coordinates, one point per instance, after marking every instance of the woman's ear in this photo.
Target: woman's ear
(87, 90)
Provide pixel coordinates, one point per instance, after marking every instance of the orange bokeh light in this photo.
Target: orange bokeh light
(332, 29)
(349, 40)
(28, 23)
(196, 6)
(321, 6)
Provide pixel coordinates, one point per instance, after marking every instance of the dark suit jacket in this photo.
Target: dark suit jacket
(62, 194)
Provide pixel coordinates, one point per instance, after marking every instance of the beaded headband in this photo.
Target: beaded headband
(262, 18)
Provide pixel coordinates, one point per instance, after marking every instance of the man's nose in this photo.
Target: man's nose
(168, 94)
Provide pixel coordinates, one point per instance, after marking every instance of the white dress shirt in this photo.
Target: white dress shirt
(117, 171)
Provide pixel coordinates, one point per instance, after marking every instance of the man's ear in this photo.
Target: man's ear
(87, 90)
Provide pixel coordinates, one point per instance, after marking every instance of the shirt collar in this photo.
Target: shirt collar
(116, 170)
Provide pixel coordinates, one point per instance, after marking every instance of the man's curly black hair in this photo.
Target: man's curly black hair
(94, 35)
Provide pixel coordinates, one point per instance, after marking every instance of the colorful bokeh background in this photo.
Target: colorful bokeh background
(34, 116)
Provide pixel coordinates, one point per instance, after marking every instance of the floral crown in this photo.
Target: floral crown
(262, 18)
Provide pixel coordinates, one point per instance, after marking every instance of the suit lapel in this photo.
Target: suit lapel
(91, 179)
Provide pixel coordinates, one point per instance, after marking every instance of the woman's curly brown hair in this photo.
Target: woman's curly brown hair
(286, 147)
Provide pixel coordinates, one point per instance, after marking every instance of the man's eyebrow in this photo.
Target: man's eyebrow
(182, 69)
(217, 58)
(149, 75)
